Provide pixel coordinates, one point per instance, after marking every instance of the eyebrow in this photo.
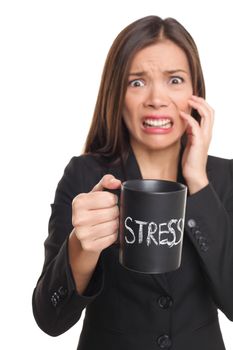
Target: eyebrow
(142, 73)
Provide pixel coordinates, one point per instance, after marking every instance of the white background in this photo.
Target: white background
(52, 54)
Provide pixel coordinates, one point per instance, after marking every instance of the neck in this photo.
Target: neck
(160, 164)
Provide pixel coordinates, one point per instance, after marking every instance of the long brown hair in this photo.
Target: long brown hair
(108, 135)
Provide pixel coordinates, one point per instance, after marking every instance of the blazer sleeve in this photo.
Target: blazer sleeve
(56, 303)
(209, 225)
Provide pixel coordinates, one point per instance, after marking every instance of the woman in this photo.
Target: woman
(151, 121)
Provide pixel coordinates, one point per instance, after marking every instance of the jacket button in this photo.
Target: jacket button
(204, 246)
(165, 301)
(62, 291)
(55, 299)
(197, 234)
(191, 223)
(202, 240)
(164, 341)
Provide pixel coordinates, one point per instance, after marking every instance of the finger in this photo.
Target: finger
(204, 109)
(193, 126)
(195, 132)
(94, 200)
(102, 243)
(207, 116)
(108, 181)
(105, 229)
(201, 100)
(95, 217)
(97, 231)
(95, 244)
(103, 215)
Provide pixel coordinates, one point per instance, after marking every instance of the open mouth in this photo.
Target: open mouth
(158, 123)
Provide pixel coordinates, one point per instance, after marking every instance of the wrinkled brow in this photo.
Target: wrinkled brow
(172, 71)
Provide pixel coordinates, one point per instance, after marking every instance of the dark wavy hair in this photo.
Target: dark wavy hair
(108, 135)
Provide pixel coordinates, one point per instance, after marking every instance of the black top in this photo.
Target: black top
(129, 310)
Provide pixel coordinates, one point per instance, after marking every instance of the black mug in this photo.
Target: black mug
(152, 214)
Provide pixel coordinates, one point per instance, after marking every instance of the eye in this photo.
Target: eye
(136, 83)
(176, 80)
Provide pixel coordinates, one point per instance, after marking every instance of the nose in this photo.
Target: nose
(157, 96)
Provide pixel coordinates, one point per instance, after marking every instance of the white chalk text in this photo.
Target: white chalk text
(165, 233)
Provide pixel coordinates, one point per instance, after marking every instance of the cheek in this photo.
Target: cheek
(132, 103)
(126, 115)
(186, 108)
(182, 103)
(126, 110)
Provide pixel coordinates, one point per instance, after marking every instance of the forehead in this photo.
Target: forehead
(164, 55)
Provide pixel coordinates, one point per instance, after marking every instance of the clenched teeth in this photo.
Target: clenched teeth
(162, 123)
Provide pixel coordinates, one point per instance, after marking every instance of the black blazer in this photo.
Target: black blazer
(129, 310)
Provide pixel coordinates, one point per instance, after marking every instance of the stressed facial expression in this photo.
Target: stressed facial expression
(159, 86)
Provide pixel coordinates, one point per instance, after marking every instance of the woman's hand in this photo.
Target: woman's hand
(95, 216)
(196, 152)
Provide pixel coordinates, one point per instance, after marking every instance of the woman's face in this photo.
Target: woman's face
(159, 86)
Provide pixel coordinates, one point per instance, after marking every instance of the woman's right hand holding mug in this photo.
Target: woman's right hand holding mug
(95, 216)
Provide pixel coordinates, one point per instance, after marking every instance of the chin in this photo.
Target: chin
(163, 145)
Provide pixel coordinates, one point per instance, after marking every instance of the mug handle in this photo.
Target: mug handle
(117, 192)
